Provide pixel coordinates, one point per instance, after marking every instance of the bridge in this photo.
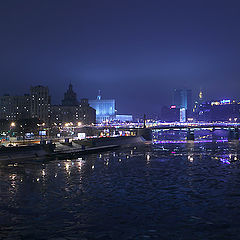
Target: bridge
(145, 129)
(233, 129)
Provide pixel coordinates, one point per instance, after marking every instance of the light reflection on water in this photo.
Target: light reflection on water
(165, 191)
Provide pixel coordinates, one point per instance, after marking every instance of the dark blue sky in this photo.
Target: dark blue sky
(136, 51)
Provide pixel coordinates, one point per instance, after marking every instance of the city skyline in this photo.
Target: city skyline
(119, 119)
(134, 51)
(183, 108)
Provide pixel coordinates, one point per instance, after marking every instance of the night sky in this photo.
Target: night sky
(136, 51)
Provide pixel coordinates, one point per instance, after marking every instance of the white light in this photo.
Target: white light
(67, 167)
(190, 158)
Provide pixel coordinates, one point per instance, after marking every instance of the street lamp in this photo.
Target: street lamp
(13, 124)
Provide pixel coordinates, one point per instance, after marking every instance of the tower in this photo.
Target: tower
(99, 95)
(70, 97)
(200, 96)
(182, 98)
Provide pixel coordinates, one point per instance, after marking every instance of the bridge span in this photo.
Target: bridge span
(146, 129)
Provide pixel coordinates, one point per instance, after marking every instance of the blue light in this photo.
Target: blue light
(226, 101)
(105, 109)
(224, 160)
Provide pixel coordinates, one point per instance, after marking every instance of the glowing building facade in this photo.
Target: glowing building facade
(182, 98)
(105, 109)
(182, 115)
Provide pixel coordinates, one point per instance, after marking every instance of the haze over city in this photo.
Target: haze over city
(134, 51)
(119, 119)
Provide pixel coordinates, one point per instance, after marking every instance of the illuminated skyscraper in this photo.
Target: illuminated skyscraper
(182, 98)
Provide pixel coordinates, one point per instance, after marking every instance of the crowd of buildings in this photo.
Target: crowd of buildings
(37, 105)
(184, 109)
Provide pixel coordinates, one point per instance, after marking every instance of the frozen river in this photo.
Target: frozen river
(164, 191)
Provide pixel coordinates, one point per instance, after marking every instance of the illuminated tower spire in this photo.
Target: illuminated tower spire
(99, 95)
(200, 95)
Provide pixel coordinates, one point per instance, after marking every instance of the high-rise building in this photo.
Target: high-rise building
(73, 111)
(182, 98)
(170, 114)
(15, 107)
(198, 103)
(70, 97)
(82, 113)
(87, 113)
(105, 109)
(40, 103)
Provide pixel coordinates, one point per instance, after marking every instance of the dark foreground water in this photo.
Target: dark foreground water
(167, 191)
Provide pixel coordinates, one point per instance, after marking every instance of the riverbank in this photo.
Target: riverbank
(66, 149)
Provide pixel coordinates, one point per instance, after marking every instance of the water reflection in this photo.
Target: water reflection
(148, 158)
(166, 191)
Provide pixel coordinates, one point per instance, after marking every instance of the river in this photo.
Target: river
(163, 191)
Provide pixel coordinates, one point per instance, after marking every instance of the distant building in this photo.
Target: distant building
(105, 109)
(224, 110)
(73, 111)
(124, 118)
(87, 113)
(70, 97)
(40, 103)
(183, 115)
(182, 99)
(198, 102)
(15, 107)
(170, 114)
(82, 113)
